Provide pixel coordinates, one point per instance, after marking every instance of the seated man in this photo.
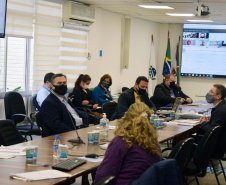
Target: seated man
(166, 93)
(45, 90)
(218, 114)
(136, 94)
(57, 113)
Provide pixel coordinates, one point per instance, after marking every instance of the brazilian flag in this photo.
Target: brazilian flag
(167, 62)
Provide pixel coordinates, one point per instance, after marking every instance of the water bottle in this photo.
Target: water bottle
(180, 108)
(104, 125)
(56, 147)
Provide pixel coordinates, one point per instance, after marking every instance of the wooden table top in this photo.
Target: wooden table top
(45, 152)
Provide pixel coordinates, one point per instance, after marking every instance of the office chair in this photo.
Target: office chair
(9, 135)
(200, 157)
(39, 123)
(109, 108)
(35, 103)
(124, 89)
(218, 154)
(15, 110)
(109, 180)
(161, 173)
(181, 153)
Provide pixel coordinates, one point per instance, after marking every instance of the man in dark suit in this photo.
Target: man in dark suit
(166, 93)
(138, 93)
(57, 113)
(215, 96)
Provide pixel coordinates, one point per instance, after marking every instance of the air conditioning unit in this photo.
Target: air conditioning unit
(78, 13)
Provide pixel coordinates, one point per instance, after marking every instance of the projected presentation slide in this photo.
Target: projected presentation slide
(2, 17)
(204, 51)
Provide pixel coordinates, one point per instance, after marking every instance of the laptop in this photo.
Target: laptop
(167, 110)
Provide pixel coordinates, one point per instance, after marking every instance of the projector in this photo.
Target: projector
(202, 10)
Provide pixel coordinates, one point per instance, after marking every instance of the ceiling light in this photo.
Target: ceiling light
(181, 14)
(199, 20)
(155, 7)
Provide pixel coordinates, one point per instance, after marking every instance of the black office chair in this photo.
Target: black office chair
(201, 155)
(181, 153)
(39, 123)
(35, 103)
(15, 110)
(109, 108)
(124, 89)
(218, 154)
(109, 180)
(9, 135)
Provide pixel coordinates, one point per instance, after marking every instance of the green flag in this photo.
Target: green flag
(167, 62)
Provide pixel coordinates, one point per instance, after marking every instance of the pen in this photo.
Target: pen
(43, 165)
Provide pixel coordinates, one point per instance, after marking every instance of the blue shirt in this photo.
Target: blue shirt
(99, 96)
(42, 94)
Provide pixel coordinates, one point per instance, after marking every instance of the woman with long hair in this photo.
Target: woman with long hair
(134, 148)
(82, 94)
(101, 93)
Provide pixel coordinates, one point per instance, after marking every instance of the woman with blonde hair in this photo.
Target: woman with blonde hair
(134, 148)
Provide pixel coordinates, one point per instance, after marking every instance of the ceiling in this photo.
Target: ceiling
(217, 9)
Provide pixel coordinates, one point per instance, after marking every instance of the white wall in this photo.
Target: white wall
(105, 35)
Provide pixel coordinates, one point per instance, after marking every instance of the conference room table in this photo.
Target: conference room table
(45, 154)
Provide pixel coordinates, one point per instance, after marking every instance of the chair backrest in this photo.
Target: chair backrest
(14, 104)
(205, 147)
(220, 149)
(35, 103)
(9, 135)
(109, 180)
(109, 108)
(39, 123)
(124, 88)
(181, 152)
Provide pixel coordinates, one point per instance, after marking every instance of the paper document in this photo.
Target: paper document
(6, 156)
(111, 127)
(39, 175)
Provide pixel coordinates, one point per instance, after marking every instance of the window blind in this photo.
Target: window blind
(47, 32)
(74, 51)
(19, 19)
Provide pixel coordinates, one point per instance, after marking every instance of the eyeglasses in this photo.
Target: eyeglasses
(211, 92)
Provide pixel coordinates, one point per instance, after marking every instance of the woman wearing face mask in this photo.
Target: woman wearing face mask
(82, 94)
(101, 93)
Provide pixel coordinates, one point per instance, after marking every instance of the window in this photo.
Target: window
(14, 63)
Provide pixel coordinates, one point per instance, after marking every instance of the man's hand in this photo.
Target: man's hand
(95, 106)
(188, 100)
(203, 118)
(182, 100)
(85, 102)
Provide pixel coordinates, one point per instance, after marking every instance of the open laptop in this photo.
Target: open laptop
(166, 110)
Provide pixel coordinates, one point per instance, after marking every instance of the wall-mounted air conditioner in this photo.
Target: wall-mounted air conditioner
(78, 13)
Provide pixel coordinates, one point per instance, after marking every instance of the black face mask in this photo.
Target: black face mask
(60, 89)
(105, 85)
(172, 85)
(141, 91)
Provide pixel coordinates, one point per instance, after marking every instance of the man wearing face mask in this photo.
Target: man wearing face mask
(218, 114)
(57, 113)
(138, 93)
(166, 93)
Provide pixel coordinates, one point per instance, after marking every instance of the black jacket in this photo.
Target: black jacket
(56, 118)
(80, 95)
(162, 95)
(126, 99)
(218, 118)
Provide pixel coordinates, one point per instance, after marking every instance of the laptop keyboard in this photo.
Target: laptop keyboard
(69, 164)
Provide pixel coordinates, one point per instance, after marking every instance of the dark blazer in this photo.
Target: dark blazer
(80, 95)
(126, 99)
(162, 95)
(56, 118)
(218, 118)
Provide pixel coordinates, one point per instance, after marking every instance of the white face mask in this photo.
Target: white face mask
(85, 86)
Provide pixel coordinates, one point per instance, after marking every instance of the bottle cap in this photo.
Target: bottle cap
(104, 115)
(56, 136)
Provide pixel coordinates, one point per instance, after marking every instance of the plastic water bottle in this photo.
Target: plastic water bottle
(104, 125)
(180, 108)
(56, 147)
